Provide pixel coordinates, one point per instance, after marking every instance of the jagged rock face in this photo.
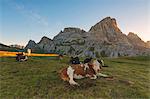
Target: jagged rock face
(32, 45)
(103, 39)
(70, 35)
(108, 31)
(148, 44)
(73, 30)
(45, 40)
(70, 41)
(107, 25)
(46, 44)
(135, 40)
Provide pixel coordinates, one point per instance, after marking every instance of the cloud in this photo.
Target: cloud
(38, 18)
(30, 13)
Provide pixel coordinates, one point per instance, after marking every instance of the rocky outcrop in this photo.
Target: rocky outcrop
(70, 41)
(107, 25)
(148, 44)
(32, 45)
(103, 39)
(135, 40)
(108, 31)
(73, 30)
(46, 44)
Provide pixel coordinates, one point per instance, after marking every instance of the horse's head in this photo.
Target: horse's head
(94, 63)
(96, 66)
(74, 60)
(101, 62)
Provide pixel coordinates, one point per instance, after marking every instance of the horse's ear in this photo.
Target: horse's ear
(98, 60)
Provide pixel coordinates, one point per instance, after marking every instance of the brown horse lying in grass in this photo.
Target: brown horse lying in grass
(21, 57)
(91, 68)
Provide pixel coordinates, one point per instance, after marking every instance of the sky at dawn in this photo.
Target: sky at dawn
(22, 20)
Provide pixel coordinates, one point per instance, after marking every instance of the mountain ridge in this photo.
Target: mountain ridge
(103, 39)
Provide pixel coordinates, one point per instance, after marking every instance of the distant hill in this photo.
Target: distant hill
(103, 39)
(8, 48)
(17, 46)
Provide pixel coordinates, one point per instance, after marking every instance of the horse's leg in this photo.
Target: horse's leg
(102, 75)
(70, 72)
(93, 77)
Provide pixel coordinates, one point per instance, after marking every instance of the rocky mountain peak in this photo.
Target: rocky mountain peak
(109, 20)
(107, 31)
(73, 30)
(134, 36)
(45, 40)
(136, 40)
(32, 45)
(31, 42)
(45, 43)
(108, 25)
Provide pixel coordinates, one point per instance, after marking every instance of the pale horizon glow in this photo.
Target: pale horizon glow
(22, 20)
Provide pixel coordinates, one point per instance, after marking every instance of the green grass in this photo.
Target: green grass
(38, 78)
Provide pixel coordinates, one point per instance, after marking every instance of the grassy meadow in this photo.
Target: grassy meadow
(38, 78)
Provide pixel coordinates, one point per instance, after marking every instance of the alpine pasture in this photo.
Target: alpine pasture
(39, 78)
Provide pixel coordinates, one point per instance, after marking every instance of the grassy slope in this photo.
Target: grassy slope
(38, 77)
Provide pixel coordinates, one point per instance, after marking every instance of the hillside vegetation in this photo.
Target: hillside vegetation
(8, 48)
(38, 78)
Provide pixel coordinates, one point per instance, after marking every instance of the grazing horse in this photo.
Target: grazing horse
(90, 68)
